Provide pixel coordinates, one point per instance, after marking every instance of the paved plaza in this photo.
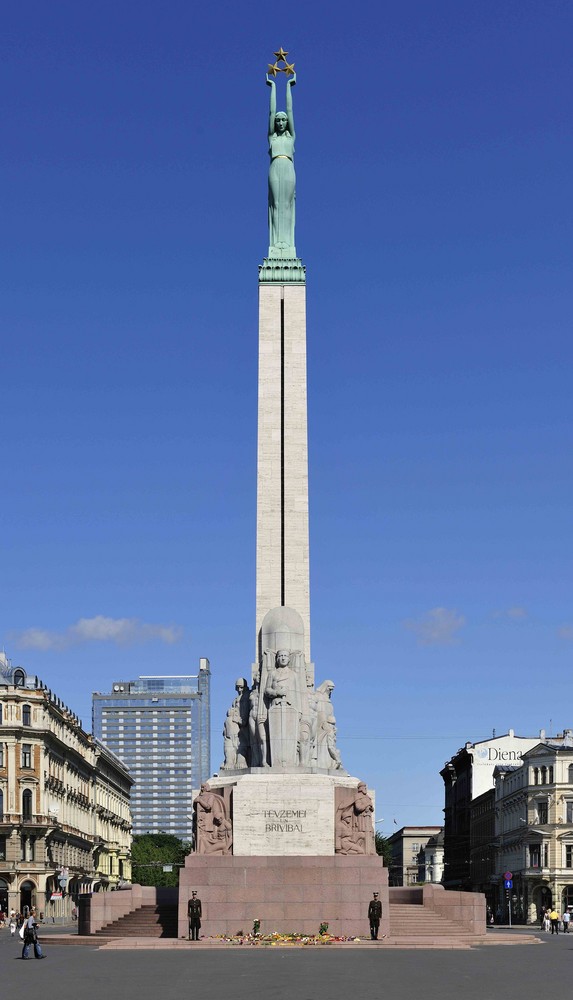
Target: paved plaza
(519, 972)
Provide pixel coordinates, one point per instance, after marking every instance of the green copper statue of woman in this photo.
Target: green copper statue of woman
(282, 180)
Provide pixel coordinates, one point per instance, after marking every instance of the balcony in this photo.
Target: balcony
(36, 823)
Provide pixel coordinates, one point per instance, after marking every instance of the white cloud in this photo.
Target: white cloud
(514, 614)
(437, 627)
(122, 631)
(566, 632)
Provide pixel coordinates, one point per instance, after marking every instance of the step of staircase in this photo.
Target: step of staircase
(145, 922)
(415, 925)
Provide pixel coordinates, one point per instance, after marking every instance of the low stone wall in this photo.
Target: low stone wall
(466, 909)
(285, 893)
(98, 909)
(406, 894)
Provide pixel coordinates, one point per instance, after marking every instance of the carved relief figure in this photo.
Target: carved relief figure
(354, 831)
(236, 728)
(257, 729)
(288, 717)
(327, 754)
(213, 828)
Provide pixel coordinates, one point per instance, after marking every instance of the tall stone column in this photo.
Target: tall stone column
(282, 471)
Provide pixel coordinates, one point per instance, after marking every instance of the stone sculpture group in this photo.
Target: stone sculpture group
(281, 721)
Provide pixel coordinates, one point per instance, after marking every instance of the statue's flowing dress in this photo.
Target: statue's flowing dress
(281, 191)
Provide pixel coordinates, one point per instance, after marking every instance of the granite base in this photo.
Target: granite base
(285, 893)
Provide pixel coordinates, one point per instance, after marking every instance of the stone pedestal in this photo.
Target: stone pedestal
(277, 813)
(285, 893)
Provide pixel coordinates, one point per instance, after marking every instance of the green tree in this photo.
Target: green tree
(383, 848)
(150, 852)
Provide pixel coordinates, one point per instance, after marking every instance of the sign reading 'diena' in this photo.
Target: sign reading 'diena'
(495, 755)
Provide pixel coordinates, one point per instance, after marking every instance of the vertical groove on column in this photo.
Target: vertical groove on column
(283, 601)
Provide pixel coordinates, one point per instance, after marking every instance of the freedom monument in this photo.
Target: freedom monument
(283, 834)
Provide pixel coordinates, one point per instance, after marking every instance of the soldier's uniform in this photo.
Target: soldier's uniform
(374, 916)
(194, 913)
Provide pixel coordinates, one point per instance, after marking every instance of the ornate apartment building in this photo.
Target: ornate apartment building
(534, 829)
(65, 820)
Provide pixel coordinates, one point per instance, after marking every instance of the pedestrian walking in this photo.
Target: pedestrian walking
(374, 916)
(554, 918)
(546, 920)
(12, 926)
(565, 921)
(194, 913)
(31, 937)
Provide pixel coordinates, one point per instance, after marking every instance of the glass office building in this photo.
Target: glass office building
(160, 727)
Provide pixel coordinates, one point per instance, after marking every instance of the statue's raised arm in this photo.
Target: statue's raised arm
(290, 116)
(282, 178)
(272, 105)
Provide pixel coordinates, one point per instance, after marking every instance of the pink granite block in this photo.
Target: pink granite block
(319, 894)
(293, 912)
(196, 861)
(277, 875)
(312, 876)
(344, 876)
(372, 876)
(214, 894)
(270, 910)
(221, 876)
(236, 894)
(352, 893)
(229, 911)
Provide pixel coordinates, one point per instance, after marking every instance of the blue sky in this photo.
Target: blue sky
(434, 165)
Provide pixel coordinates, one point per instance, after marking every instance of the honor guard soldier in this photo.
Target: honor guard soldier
(374, 916)
(194, 914)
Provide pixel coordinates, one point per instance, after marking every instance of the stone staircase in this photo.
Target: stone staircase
(413, 925)
(158, 921)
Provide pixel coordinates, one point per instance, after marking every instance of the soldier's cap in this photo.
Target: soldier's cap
(193, 892)
(375, 893)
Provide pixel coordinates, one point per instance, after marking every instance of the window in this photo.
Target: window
(570, 772)
(26, 715)
(19, 678)
(1, 755)
(535, 775)
(569, 855)
(543, 775)
(1, 804)
(27, 804)
(569, 815)
(2, 848)
(415, 848)
(534, 855)
(542, 812)
(551, 775)
(546, 855)
(26, 754)
(0, 712)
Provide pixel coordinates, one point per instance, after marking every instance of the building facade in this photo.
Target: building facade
(433, 854)
(65, 820)
(468, 775)
(160, 727)
(408, 866)
(483, 854)
(534, 830)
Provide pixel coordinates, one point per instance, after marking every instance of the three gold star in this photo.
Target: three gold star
(274, 68)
